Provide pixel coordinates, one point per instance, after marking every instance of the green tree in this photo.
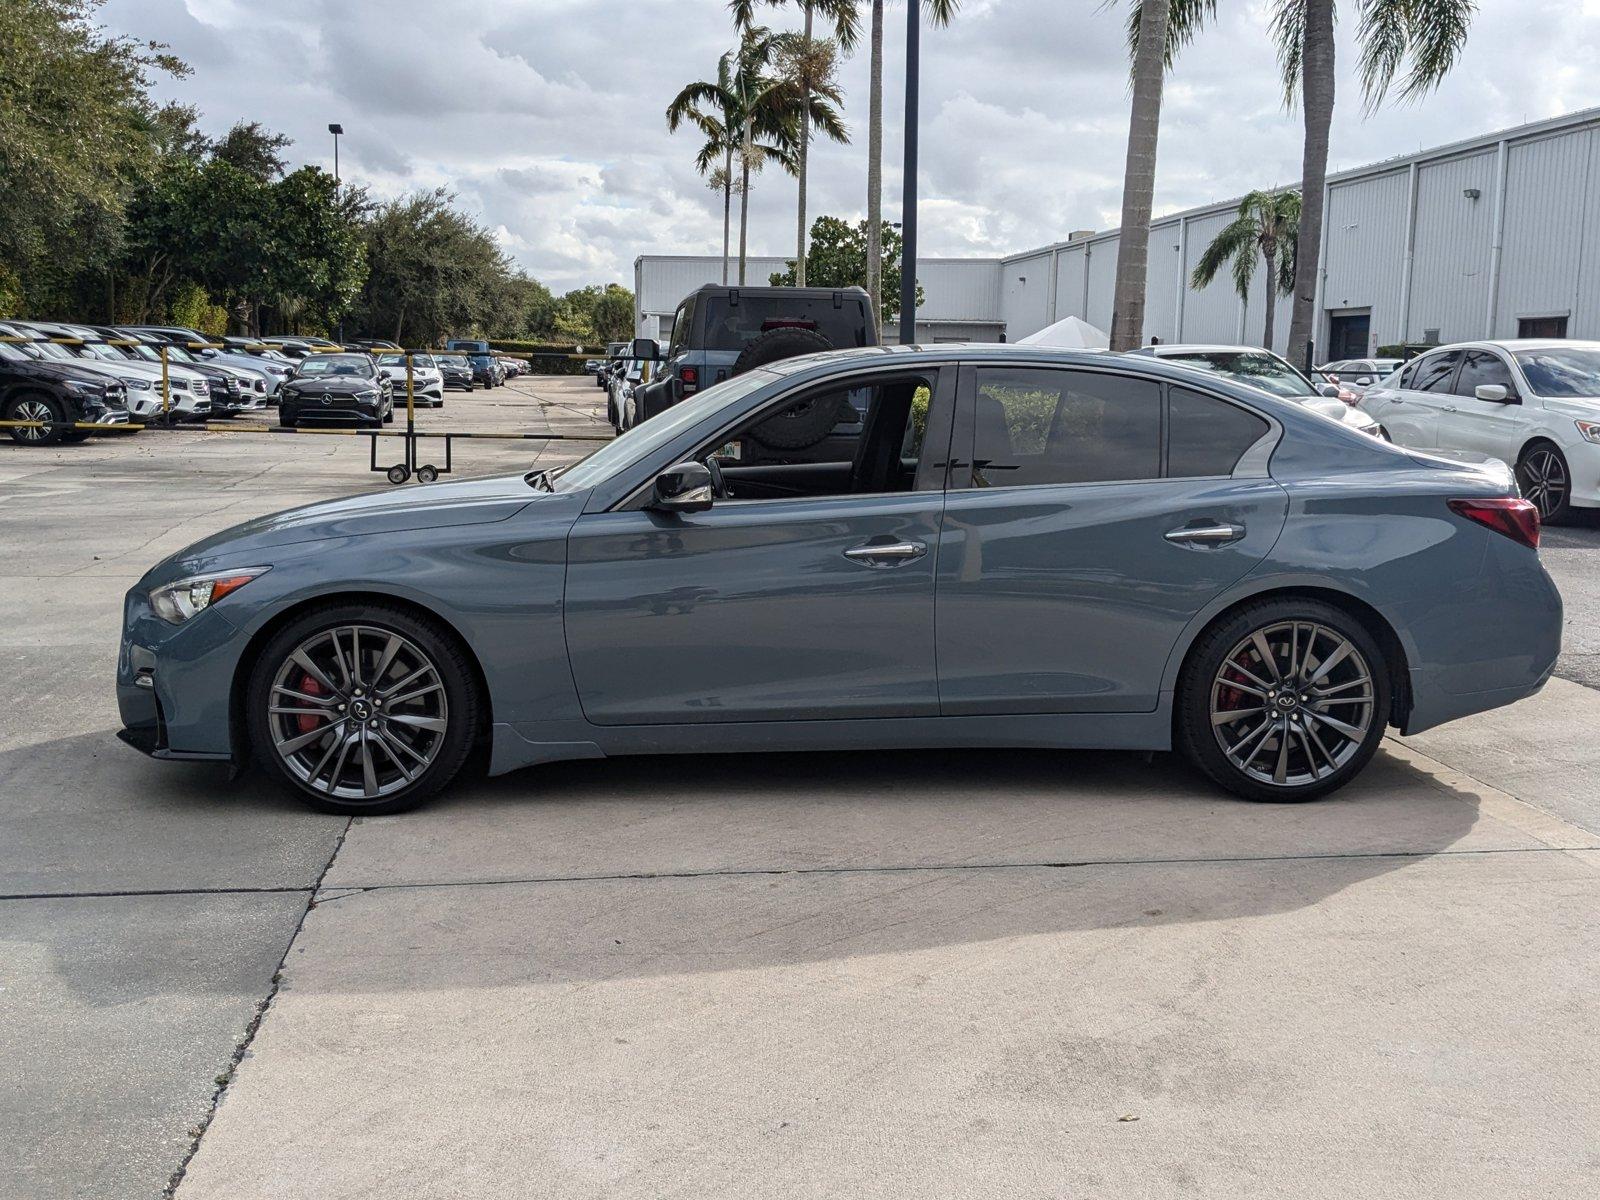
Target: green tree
(75, 115)
(1169, 24)
(253, 149)
(1267, 226)
(837, 258)
(432, 271)
(941, 12)
(809, 67)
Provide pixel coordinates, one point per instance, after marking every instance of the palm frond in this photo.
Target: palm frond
(1244, 270)
(1288, 31)
(941, 12)
(1431, 33)
(826, 119)
(1237, 238)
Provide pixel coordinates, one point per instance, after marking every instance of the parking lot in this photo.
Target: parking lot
(918, 973)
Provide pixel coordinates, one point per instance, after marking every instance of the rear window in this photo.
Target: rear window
(733, 326)
(1207, 436)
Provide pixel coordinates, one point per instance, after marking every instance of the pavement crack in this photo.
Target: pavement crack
(198, 1131)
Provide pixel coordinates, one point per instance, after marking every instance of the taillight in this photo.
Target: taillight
(1517, 519)
(690, 377)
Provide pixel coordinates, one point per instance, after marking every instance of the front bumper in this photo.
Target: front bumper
(174, 682)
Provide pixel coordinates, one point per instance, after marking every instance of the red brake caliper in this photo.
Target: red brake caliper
(310, 687)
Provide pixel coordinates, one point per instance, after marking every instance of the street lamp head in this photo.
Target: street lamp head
(336, 130)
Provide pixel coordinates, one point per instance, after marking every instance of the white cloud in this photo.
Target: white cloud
(545, 116)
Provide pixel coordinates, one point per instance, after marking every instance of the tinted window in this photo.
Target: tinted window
(1207, 436)
(732, 326)
(681, 324)
(1034, 426)
(1433, 373)
(336, 364)
(1481, 367)
(1563, 372)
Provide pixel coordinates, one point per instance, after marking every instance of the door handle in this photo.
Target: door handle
(886, 554)
(1205, 535)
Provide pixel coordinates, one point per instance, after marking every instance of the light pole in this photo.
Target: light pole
(336, 130)
(908, 204)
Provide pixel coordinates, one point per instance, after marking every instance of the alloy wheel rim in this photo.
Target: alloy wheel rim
(1546, 481)
(1292, 703)
(34, 410)
(357, 712)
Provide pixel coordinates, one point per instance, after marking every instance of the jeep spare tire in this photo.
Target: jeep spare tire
(807, 423)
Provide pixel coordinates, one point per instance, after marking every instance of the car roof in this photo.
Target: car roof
(1166, 349)
(804, 293)
(1514, 344)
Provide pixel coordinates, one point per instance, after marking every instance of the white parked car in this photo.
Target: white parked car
(1356, 375)
(1532, 403)
(427, 380)
(1265, 370)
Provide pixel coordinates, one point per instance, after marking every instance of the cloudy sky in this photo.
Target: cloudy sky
(545, 116)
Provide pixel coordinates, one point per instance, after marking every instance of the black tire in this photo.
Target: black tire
(30, 407)
(388, 417)
(1288, 723)
(1545, 479)
(462, 703)
(803, 425)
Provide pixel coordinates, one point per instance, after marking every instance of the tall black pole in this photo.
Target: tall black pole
(908, 205)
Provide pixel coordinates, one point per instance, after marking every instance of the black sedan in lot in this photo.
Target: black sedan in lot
(457, 371)
(337, 388)
(56, 394)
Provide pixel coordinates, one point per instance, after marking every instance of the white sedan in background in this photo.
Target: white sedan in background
(427, 379)
(1531, 403)
(1265, 370)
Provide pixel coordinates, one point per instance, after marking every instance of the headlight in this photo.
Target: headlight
(138, 385)
(177, 602)
(369, 394)
(87, 389)
(1590, 430)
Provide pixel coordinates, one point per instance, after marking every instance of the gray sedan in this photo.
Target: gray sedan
(960, 545)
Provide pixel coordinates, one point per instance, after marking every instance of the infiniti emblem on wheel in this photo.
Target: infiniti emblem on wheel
(360, 710)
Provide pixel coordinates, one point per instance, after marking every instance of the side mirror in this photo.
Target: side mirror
(685, 487)
(1495, 393)
(1364, 380)
(646, 350)
(1329, 389)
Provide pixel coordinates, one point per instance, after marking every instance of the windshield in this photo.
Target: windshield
(11, 352)
(336, 364)
(1564, 372)
(732, 326)
(644, 439)
(1265, 371)
(51, 350)
(418, 361)
(453, 360)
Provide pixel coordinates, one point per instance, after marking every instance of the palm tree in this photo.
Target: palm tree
(811, 65)
(1157, 29)
(1414, 42)
(1267, 225)
(940, 11)
(746, 121)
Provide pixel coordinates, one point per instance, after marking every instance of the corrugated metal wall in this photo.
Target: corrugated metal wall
(1365, 249)
(1549, 231)
(1450, 263)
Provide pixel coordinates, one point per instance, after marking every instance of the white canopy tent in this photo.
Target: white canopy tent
(1069, 333)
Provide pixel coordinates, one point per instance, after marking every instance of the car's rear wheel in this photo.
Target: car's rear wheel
(1545, 480)
(37, 408)
(1284, 700)
(362, 709)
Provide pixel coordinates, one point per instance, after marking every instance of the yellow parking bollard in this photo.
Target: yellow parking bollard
(166, 388)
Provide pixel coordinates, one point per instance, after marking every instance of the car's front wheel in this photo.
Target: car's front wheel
(1543, 476)
(362, 709)
(50, 413)
(1283, 700)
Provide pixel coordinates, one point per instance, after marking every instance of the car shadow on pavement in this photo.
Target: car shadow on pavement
(601, 870)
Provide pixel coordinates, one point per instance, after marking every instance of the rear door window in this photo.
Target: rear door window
(1433, 373)
(730, 326)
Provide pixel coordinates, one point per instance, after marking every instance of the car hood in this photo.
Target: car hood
(61, 370)
(469, 502)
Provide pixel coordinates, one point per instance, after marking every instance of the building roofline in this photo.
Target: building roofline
(1530, 131)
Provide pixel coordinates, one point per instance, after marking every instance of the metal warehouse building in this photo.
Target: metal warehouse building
(1496, 236)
